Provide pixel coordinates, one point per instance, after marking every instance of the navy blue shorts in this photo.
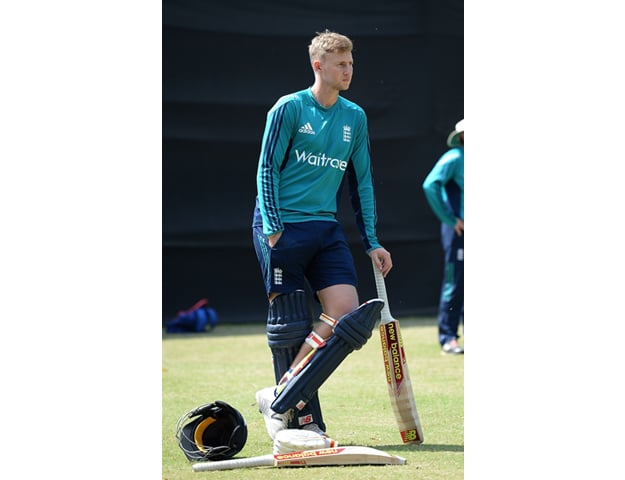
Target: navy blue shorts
(309, 254)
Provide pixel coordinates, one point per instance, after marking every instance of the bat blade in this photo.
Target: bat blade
(351, 455)
(398, 378)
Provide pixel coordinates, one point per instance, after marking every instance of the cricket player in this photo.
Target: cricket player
(444, 191)
(315, 141)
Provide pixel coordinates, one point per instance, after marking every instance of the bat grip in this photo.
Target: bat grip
(263, 460)
(381, 289)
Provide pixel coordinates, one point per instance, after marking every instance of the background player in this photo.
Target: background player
(444, 190)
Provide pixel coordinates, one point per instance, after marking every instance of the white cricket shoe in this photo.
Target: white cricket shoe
(294, 440)
(273, 421)
(313, 427)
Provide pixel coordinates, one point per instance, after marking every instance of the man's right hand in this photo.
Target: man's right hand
(273, 239)
(459, 227)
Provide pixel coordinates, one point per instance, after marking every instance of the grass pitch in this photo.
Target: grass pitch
(234, 361)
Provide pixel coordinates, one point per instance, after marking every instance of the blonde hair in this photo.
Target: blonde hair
(328, 42)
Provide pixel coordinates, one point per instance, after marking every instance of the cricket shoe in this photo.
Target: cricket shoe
(297, 440)
(452, 348)
(313, 427)
(273, 421)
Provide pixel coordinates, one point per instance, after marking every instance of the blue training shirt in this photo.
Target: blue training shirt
(444, 186)
(306, 151)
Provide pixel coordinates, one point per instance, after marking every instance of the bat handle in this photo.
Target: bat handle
(381, 288)
(260, 461)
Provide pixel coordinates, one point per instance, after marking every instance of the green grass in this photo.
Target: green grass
(234, 361)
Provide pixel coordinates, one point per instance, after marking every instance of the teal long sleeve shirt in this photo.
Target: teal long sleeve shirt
(306, 152)
(444, 186)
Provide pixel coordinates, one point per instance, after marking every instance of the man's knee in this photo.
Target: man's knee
(289, 322)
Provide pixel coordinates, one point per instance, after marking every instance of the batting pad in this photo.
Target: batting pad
(289, 322)
(295, 440)
(351, 333)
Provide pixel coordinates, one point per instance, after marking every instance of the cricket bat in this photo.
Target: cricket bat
(352, 455)
(396, 367)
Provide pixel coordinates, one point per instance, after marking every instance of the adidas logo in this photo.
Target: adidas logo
(306, 129)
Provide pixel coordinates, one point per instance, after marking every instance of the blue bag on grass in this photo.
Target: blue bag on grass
(199, 318)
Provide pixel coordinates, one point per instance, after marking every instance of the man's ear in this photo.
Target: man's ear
(316, 65)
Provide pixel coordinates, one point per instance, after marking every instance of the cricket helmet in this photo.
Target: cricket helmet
(214, 431)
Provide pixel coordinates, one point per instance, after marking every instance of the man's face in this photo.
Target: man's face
(336, 70)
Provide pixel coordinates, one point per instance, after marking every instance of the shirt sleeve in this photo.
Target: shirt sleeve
(274, 148)
(361, 190)
(434, 187)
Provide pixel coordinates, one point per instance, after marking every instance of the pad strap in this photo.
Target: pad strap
(327, 319)
(315, 340)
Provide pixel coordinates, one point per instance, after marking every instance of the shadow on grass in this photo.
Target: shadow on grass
(219, 331)
(424, 448)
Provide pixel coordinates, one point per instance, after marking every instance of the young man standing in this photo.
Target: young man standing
(313, 138)
(444, 191)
